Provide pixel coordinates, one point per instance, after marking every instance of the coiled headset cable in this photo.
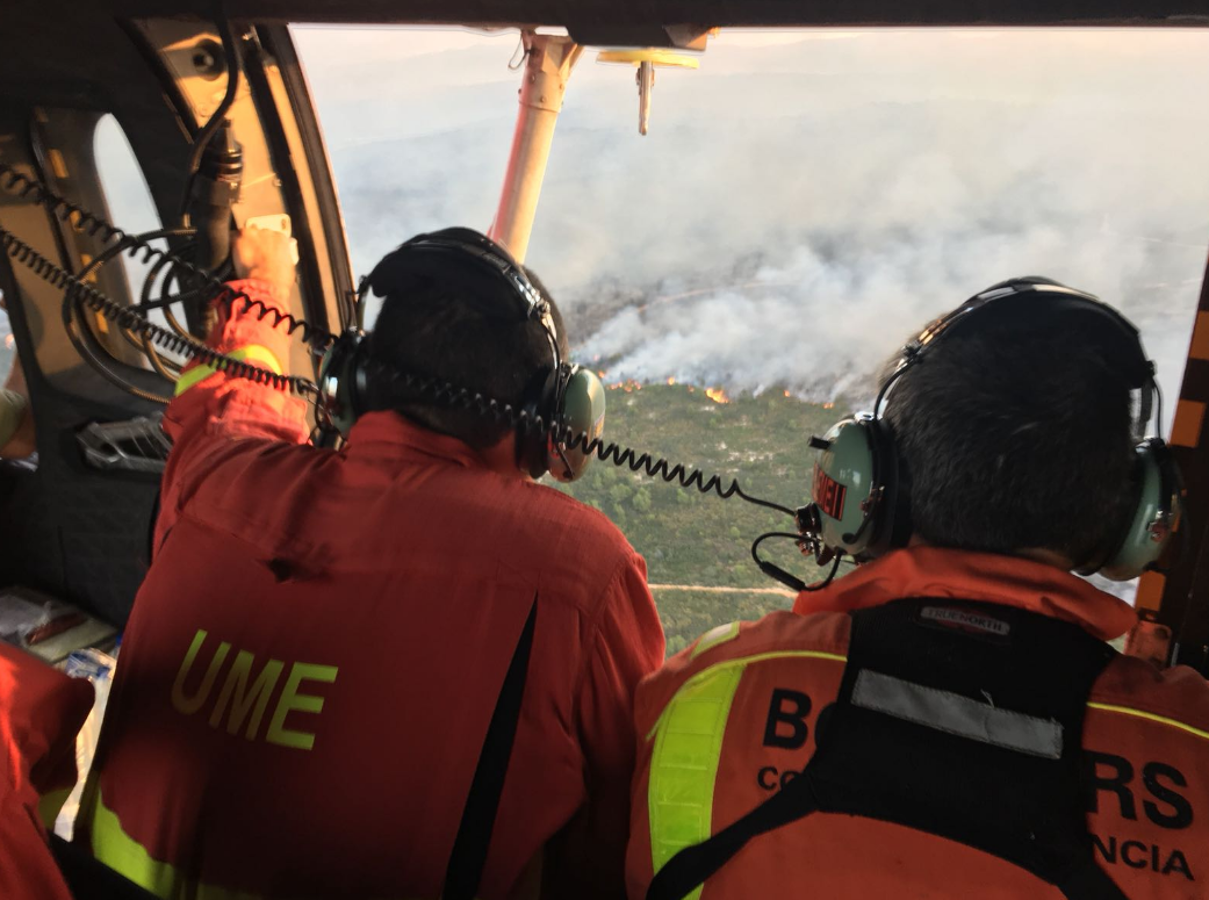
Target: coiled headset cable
(139, 247)
(126, 318)
(390, 380)
(176, 341)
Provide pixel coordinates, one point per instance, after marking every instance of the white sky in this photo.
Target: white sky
(885, 173)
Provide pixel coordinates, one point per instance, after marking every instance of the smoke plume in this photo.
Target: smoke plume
(803, 202)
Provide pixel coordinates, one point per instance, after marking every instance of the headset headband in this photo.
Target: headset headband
(468, 244)
(860, 498)
(1126, 351)
(447, 254)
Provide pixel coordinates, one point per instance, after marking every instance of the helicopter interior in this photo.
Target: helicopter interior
(160, 78)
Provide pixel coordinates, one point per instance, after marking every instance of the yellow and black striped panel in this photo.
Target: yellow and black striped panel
(1178, 599)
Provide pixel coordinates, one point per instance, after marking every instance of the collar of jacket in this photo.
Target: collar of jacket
(389, 435)
(986, 577)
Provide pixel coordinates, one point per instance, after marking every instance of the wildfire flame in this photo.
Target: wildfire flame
(828, 405)
(787, 393)
(629, 386)
(9, 340)
(671, 380)
(718, 395)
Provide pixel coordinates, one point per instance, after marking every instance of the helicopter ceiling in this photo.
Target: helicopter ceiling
(655, 22)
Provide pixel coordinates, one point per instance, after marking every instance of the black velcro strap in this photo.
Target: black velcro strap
(876, 763)
(1089, 882)
(469, 855)
(693, 865)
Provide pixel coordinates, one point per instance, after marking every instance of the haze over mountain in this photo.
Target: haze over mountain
(803, 201)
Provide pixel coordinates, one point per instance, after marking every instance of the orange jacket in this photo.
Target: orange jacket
(41, 710)
(313, 660)
(704, 758)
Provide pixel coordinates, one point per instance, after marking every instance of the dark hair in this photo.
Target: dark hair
(1017, 436)
(469, 329)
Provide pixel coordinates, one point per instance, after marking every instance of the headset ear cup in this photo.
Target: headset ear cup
(846, 493)
(579, 413)
(1153, 517)
(342, 380)
(541, 401)
(892, 513)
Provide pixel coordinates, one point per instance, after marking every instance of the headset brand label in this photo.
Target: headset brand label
(829, 494)
(965, 620)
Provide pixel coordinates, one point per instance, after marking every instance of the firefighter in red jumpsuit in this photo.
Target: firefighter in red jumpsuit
(41, 710)
(948, 721)
(313, 663)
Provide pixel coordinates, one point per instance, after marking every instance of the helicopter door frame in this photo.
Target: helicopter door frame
(1174, 606)
(292, 124)
(286, 167)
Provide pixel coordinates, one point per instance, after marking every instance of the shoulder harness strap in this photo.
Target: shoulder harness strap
(947, 709)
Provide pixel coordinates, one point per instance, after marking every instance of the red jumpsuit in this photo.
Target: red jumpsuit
(41, 710)
(312, 663)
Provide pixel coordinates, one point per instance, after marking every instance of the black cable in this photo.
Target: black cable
(100, 260)
(776, 572)
(87, 222)
(161, 365)
(440, 391)
(835, 567)
(185, 344)
(69, 313)
(145, 303)
(74, 322)
(167, 299)
(389, 379)
(202, 138)
(126, 317)
(1158, 401)
(141, 342)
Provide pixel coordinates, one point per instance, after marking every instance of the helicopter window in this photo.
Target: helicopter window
(8, 350)
(63, 147)
(126, 193)
(389, 152)
(801, 203)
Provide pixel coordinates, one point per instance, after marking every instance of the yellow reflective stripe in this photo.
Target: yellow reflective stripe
(253, 353)
(49, 805)
(714, 637)
(688, 745)
(742, 661)
(112, 846)
(1153, 717)
(774, 654)
(684, 765)
(122, 853)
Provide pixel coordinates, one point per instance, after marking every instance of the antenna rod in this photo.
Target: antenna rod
(548, 63)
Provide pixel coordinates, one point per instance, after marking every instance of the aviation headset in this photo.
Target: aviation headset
(568, 399)
(859, 504)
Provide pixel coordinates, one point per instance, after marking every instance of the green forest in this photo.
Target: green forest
(693, 541)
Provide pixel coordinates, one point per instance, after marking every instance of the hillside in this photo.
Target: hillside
(697, 547)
